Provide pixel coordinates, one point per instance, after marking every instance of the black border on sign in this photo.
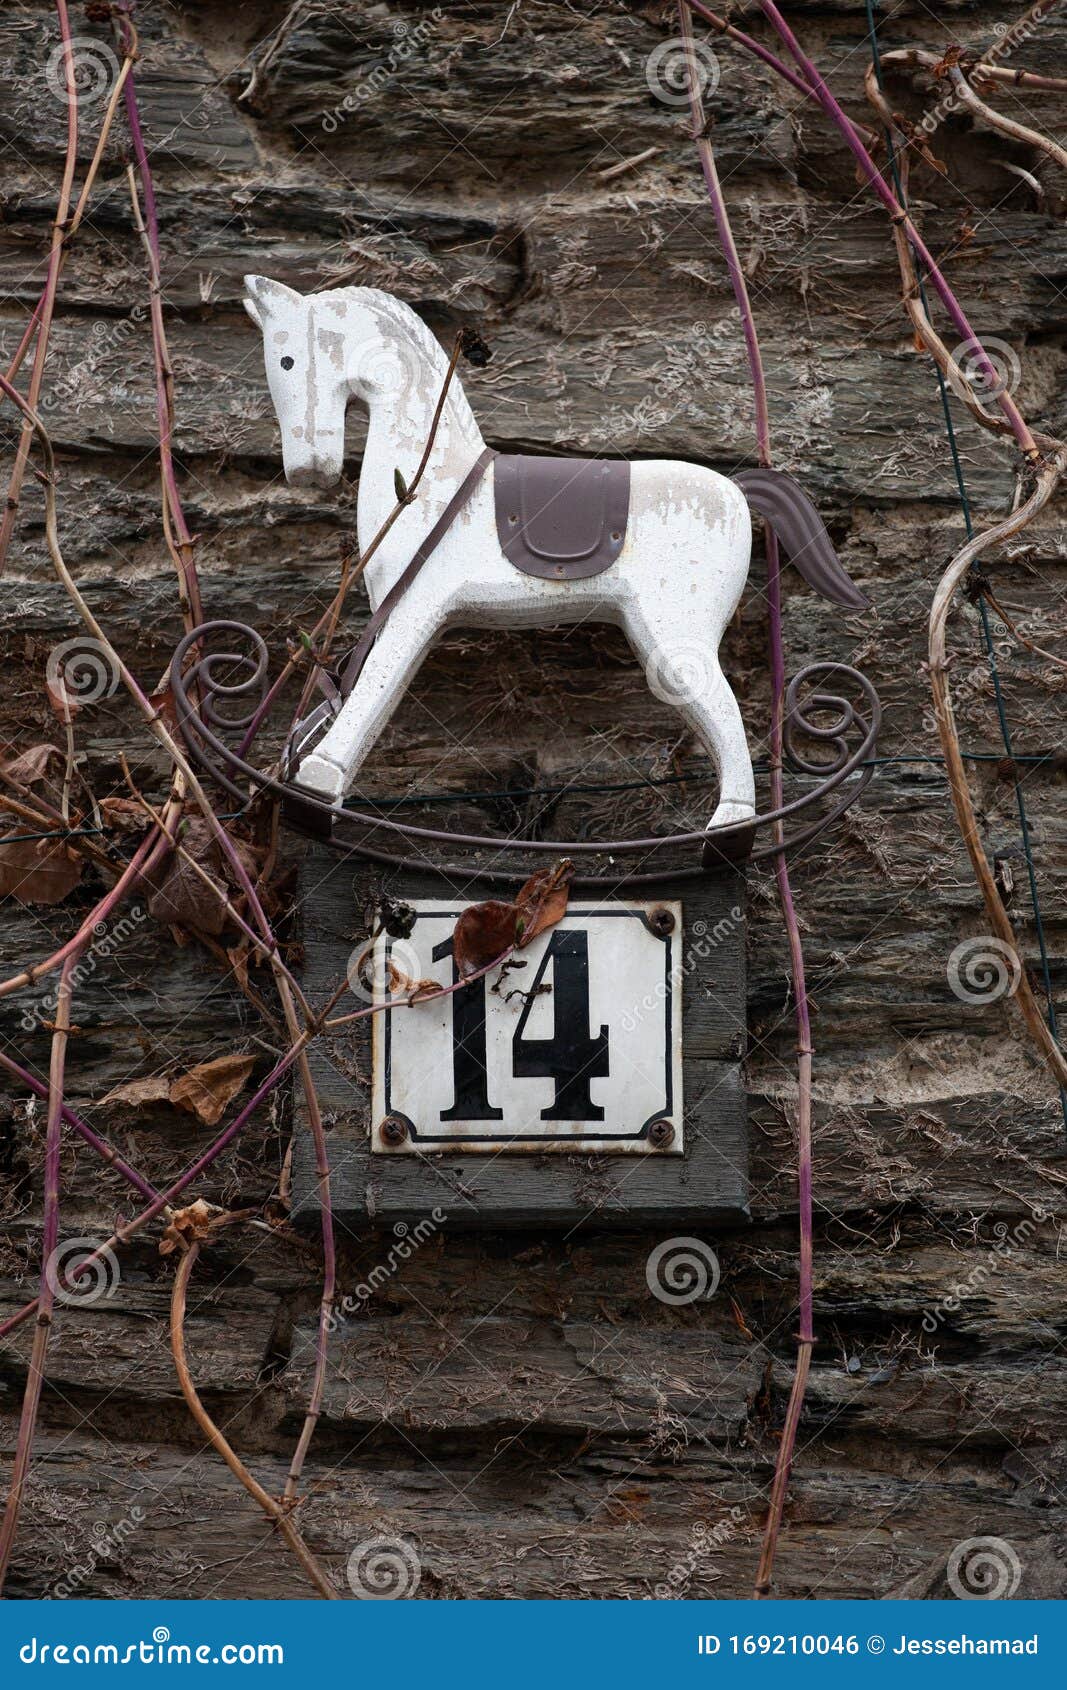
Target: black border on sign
(545, 1139)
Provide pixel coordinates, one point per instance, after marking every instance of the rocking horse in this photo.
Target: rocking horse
(659, 547)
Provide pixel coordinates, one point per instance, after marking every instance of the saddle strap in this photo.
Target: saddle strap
(337, 691)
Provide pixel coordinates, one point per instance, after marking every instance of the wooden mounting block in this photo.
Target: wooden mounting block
(682, 1161)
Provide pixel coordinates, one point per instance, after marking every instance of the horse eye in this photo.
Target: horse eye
(287, 363)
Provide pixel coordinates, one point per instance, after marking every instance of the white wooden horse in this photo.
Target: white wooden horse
(673, 586)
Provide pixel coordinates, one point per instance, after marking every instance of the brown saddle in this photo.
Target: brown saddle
(562, 519)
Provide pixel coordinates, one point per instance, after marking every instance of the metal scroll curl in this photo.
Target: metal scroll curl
(812, 713)
(212, 679)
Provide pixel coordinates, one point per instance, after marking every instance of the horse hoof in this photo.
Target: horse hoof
(321, 776)
(728, 849)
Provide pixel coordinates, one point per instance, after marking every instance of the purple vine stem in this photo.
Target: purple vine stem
(166, 1198)
(785, 891)
(103, 1149)
(214, 1150)
(897, 213)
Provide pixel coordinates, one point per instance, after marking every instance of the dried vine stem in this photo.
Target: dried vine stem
(806, 1334)
(329, 1254)
(138, 865)
(324, 1022)
(1019, 427)
(274, 1510)
(166, 1199)
(1027, 444)
(47, 1294)
(129, 55)
(48, 299)
(920, 58)
(759, 51)
(268, 951)
(150, 714)
(955, 770)
(1048, 478)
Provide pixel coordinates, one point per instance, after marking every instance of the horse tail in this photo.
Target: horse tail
(774, 495)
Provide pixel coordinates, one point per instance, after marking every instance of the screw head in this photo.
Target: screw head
(661, 1134)
(393, 1130)
(661, 920)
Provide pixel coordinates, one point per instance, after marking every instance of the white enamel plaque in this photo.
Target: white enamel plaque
(580, 1050)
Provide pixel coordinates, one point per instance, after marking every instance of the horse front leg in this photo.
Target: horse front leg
(396, 654)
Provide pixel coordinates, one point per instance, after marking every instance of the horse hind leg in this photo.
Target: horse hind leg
(685, 672)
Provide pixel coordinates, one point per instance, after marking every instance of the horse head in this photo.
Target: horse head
(321, 350)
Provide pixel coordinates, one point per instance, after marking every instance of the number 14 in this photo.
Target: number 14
(572, 1057)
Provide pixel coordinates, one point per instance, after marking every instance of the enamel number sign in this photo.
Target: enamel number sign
(579, 1050)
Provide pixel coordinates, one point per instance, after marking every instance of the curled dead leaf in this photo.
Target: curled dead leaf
(124, 815)
(188, 1225)
(181, 897)
(38, 871)
(206, 1089)
(488, 930)
(135, 1093)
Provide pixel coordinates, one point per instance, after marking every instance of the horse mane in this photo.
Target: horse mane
(408, 324)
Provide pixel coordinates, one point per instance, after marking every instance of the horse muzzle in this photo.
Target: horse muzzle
(319, 469)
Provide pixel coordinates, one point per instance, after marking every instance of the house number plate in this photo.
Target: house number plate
(580, 1050)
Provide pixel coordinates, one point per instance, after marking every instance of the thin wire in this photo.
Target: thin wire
(650, 782)
(987, 633)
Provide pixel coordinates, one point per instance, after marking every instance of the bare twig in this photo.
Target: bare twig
(47, 1294)
(46, 306)
(1048, 478)
(273, 1509)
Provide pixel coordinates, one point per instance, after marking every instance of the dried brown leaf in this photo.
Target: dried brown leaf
(31, 766)
(154, 1089)
(543, 901)
(188, 1225)
(38, 871)
(182, 897)
(207, 1089)
(485, 931)
(125, 815)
